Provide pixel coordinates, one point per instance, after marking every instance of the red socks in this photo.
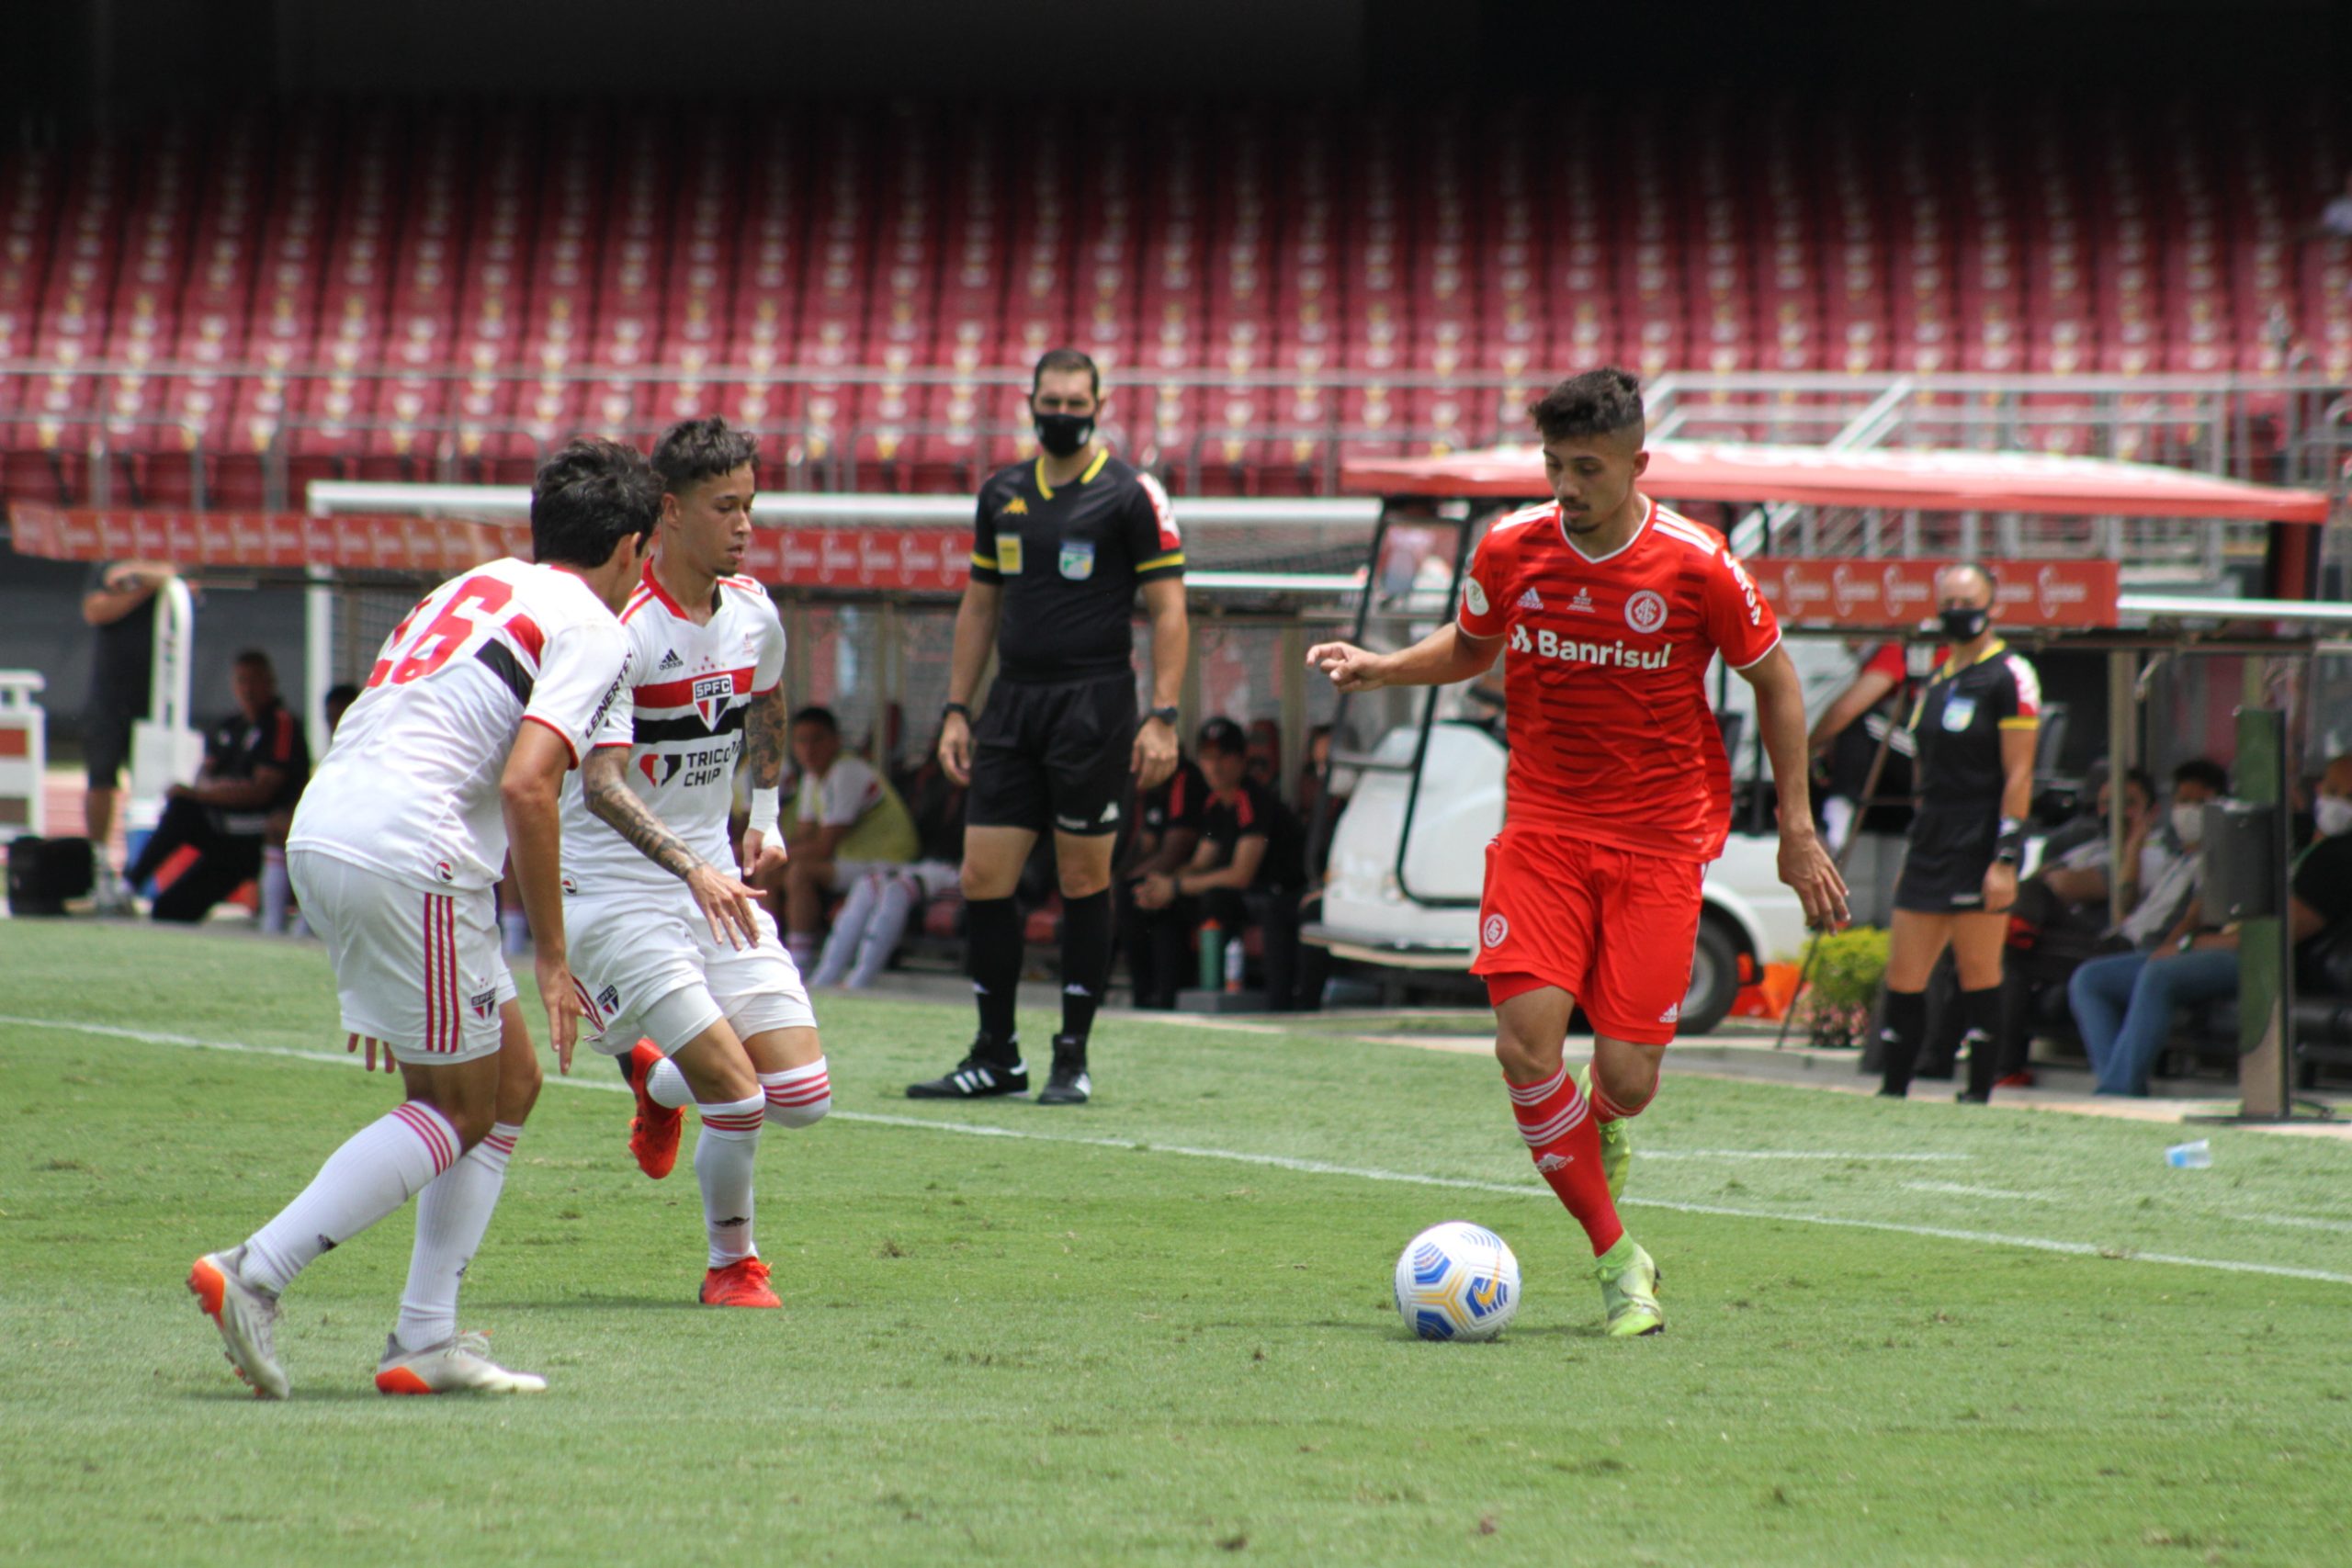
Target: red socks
(1564, 1140)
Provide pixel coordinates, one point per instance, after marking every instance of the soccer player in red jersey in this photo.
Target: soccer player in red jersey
(1608, 609)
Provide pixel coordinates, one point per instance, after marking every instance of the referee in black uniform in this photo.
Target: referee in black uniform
(1060, 548)
(1975, 726)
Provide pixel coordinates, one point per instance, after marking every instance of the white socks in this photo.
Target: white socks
(794, 1099)
(451, 1216)
(849, 925)
(378, 1169)
(891, 911)
(724, 1156)
(800, 1097)
(665, 1085)
(276, 891)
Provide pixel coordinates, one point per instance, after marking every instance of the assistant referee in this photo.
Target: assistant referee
(1976, 724)
(1060, 548)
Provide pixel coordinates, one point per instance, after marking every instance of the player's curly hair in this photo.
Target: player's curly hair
(1598, 402)
(694, 450)
(589, 497)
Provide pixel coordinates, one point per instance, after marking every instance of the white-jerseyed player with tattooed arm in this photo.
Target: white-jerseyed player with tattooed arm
(728, 1028)
(481, 702)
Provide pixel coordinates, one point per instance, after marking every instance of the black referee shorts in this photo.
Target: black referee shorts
(1949, 850)
(1054, 756)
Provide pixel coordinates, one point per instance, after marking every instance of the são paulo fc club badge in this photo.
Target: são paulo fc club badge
(1494, 929)
(1645, 611)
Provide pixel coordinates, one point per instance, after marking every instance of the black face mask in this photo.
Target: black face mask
(1065, 435)
(1967, 625)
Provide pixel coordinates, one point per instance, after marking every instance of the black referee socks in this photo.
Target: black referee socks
(1898, 1039)
(992, 958)
(1086, 961)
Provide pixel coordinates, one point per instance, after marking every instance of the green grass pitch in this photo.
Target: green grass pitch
(1155, 1329)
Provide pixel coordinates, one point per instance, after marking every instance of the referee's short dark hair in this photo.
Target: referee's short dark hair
(694, 450)
(1066, 360)
(1599, 402)
(589, 497)
(822, 718)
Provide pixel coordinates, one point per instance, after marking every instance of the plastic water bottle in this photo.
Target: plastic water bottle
(2198, 1156)
(1212, 953)
(1234, 959)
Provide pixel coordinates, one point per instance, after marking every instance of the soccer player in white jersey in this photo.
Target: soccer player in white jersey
(480, 703)
(730, 1029)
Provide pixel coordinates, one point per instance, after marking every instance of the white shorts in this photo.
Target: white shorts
(420, 970)
(647, 968)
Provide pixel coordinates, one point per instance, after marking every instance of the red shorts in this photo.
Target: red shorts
(1613, 928)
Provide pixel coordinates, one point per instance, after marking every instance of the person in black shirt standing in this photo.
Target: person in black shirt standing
(1060, 548)
(119, 603)
(1975, 726)
(254, 767)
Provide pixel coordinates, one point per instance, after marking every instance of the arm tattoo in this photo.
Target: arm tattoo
(605, 786)
(765, 734)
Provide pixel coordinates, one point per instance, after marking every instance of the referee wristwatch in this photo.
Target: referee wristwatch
(1166, 716)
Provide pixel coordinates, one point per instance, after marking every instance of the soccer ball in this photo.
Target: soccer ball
(1457, 1280)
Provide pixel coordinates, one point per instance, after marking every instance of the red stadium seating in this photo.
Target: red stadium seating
(220, 308)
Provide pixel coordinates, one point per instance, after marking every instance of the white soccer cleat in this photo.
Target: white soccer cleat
(246, 1317)
(461, 1365)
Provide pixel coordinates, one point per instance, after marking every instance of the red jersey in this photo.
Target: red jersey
(1612, 736)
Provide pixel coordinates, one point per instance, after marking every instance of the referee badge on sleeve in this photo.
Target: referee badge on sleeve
(1008, 555)
(1078, 560)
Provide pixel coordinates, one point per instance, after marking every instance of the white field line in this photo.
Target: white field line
(1958, 1191)
(2294, 1221)
(1314, 1167)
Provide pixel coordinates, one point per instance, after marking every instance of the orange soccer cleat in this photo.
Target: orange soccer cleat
(654, 1131)
(739, 1284)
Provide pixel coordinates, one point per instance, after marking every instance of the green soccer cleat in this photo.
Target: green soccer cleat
(1629, 1294)
(1616, 1143)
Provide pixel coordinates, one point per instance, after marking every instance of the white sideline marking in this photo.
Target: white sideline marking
(2296, 1221)
(1312, 1166)
(1790, 1154)
(1958, 1191)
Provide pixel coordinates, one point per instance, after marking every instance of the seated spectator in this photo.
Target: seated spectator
(1245, 871)
(2125, 1005)
(2059, 921)
(335, 704)
(872, 920)
(1265, 766)
(1167, 830)
(845, 821)
(254, 767)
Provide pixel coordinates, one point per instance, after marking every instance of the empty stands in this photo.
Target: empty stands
(215, 308)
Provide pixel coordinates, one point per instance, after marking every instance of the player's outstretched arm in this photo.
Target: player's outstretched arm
(529, 794)
(1806, 865)
(1441, 659)
(766, 732)
(726, 903)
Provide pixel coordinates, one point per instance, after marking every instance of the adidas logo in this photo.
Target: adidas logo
(1531, 599)
(1554, 1161)
(670, 660)
(1671, 1015)
(1582, 603)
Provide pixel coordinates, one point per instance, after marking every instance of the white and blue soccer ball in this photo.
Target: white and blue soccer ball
(1457, 1280)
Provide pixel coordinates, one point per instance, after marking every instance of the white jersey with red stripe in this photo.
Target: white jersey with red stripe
(409, 787)
(690, 685)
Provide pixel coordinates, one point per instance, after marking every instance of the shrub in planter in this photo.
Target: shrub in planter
(1846, 968)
